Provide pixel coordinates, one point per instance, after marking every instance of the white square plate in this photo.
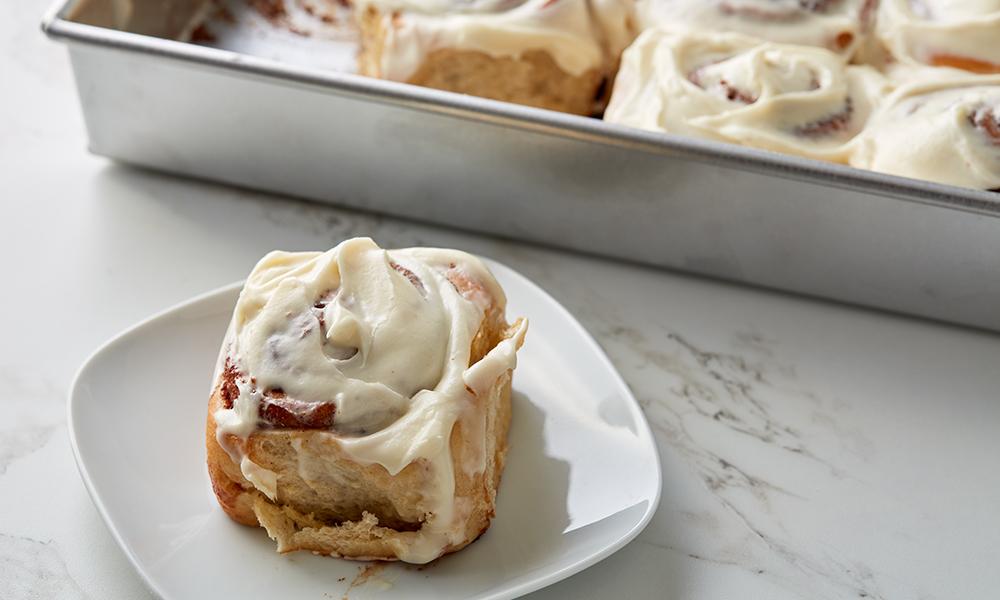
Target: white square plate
(582, 476)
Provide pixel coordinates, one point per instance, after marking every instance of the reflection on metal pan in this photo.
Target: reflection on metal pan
(724, 211)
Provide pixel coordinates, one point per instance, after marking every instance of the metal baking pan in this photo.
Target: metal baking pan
(714, 209)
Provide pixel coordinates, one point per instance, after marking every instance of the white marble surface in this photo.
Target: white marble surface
(809, 450)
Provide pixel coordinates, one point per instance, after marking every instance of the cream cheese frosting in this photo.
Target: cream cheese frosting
(837, 25)
(945, 130)
(383, 336)
(728, 87)
(565, 29)
(616, 22)
(955, 33)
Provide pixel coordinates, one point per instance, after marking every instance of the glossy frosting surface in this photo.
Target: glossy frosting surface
(964, 34)
(729, 87)
(833, 24)
(945, 130)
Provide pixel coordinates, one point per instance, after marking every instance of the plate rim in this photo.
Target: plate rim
(72, 402)
(514, 591)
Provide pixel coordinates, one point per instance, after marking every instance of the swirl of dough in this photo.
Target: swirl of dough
(963, 34)
(943, 130)
(836, 25)
(728, 87)
(347, 339)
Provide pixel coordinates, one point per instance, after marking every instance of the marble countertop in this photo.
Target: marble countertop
(809, 450)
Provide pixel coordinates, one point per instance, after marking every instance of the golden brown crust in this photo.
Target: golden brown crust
(533, 78)
(343, 508)
(372, 44)
(230, 487)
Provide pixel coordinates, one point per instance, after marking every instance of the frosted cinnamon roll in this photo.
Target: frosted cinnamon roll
(544, 53)
(362, 401)
(946, 131)
(837, 25)
(728, 87)
(943, 33)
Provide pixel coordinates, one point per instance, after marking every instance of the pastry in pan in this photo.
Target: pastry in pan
(362, 401)
(943, 33)
(837, 25)
(546, 53)
(945, 129)
(729, 87)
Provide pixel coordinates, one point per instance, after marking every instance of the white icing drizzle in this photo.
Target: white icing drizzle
(562, 28)
(934, 31)
(937, 129)
(384, 336)
(728, 87)
(263, 479)
(835, 25)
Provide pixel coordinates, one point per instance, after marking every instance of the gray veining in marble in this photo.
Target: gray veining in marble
(34, 569)
(37, 408)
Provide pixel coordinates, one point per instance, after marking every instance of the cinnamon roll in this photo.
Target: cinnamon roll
(944, 130)
(545, 53)
(728, 87)
(362, 401)
(837, 25)
(942, 33)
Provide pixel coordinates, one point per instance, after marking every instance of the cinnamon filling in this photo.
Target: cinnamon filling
(831, 125)
(272, 10)
(467, 286)
(275, 408)
(324, 299)
(411, 276)
(227, 388)
(312, 11)
(202, 35)
(843, 40)
(987, 121)
(731, 92)
(965, 63)
(280, 411)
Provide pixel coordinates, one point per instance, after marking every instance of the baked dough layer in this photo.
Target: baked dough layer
(531, 78)
(347, 509)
